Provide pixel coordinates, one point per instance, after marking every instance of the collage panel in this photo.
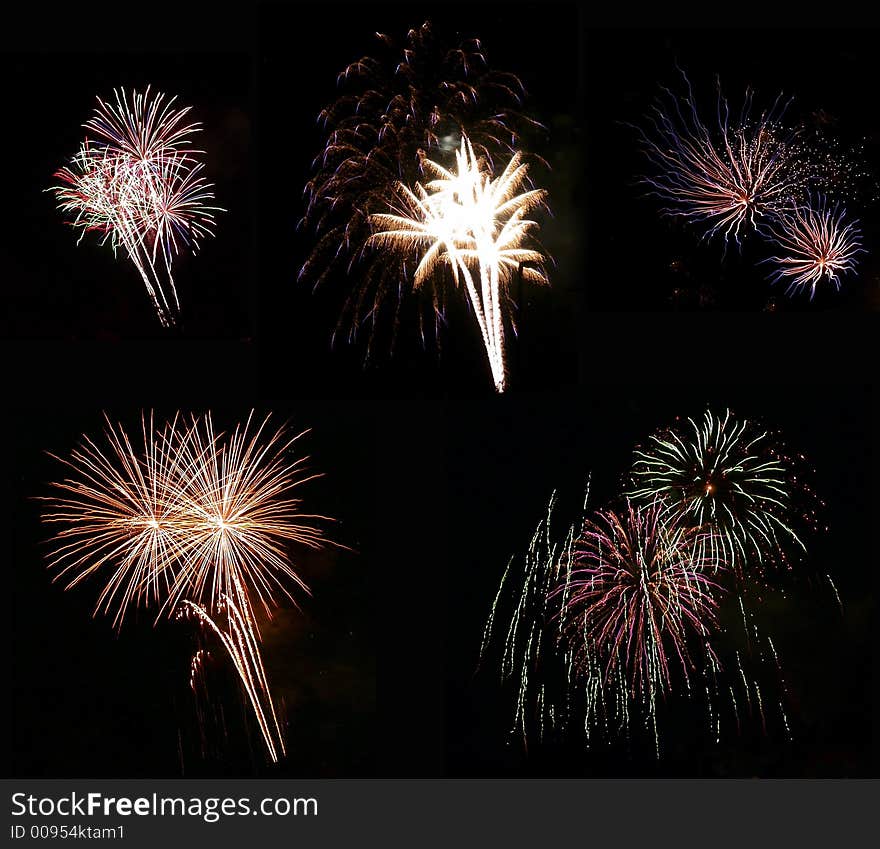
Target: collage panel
(420, 203)
(745, 171)
(138, 174)
(665, 581)
(400, 392)
(192, 592)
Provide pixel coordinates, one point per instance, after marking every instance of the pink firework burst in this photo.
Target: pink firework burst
(642, 593)
(726, 175)
(815, 243)
(139, 185)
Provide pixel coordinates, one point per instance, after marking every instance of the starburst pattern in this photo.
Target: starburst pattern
(611, 619)
(816, 244)
(641, 589)
(744, 174)
(727, 474)
(236, 501)
(139, 185)
(118, 515)
(727, 177)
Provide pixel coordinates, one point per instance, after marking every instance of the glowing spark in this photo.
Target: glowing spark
(836, 593)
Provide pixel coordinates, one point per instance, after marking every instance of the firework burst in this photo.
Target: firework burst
(236, 503)
(726, 177)
(609, 620)
(118, 515)
(410, 103)
(816, 244)
(473, 223)
(641, 590)
(194, 522)
(139, 186)
(656, 604)
(726, 474)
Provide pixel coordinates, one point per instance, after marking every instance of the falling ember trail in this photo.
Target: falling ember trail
(642, 595)
(239, 639)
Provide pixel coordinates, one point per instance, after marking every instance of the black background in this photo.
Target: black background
(435, 496)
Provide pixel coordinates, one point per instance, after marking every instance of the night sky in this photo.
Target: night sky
(436, 483)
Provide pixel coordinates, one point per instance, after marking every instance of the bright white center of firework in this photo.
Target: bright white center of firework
(153, 524)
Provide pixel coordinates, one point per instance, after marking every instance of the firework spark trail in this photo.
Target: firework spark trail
(729, 176)
(197, 520)
(535, 646)
(150, 209)
(737, 479)
(815, 244)
(410, 101)
(140, 186)
(97, 189)
(143, 128)
(238, 637)
(474, 223)
(530, 636)
(725, 474)
(836, 593)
